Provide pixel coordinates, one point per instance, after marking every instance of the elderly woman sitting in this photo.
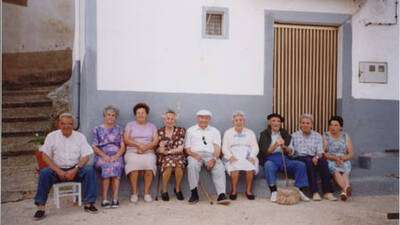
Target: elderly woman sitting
(339, 152)
(240, 149)
(171, 155)
(141, 139)
(109, 147)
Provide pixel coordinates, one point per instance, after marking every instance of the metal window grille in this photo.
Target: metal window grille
(214, 24)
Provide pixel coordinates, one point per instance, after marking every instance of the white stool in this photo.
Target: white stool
(67, 189)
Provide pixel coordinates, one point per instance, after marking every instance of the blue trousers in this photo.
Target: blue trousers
(274, 164)
(313, 170)
(85, 175)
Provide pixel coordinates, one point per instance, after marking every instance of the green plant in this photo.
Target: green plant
(38, 139)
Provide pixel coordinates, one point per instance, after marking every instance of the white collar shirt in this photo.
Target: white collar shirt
(202, 140)
(66, 151)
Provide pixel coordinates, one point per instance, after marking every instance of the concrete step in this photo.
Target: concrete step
(18, 178)
(13, 146)
(38, 79)
(35, 69)
(24, 114)
(32, 100)
(377, 163)
(31, 91)
(19, 129)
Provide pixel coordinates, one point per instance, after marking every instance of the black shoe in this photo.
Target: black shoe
(194, 197)
(233, 196)
(39, 215)
(179, 195)
(221, 197)
(114, 204)
(165, 196)
(250, 196)
(90, 209)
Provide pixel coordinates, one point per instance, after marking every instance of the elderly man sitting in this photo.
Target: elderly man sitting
(66, 153)
(275, 141)
(202, 144)
(308, 147)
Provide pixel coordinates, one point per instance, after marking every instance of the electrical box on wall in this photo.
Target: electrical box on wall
(373, 72)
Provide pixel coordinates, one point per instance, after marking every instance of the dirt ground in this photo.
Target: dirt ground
(361, 210)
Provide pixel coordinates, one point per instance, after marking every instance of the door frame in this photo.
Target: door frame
(344, 62)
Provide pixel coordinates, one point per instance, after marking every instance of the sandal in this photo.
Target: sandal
(348, 191)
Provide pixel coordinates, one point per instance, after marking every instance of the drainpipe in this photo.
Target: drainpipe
(78, 56)
(77, 84)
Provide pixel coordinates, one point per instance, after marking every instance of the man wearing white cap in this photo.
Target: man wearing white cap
(203, 145)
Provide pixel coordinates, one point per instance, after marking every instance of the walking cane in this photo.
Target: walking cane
(203, 189)
(158, 182)
(287, 195)
(206, 194)
(284, 168)
(159, 173)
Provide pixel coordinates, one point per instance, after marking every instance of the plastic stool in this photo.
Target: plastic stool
(67, 189)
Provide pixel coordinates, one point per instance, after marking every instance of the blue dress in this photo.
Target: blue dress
(337, 147)
(109, 141)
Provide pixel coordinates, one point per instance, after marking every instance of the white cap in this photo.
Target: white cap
(204, 112)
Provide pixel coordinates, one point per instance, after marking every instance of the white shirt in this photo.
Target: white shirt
(66, 151)
(202, 140)
(275, 136)
(242, 145)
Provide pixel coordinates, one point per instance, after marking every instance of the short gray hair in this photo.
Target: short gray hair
(307, 116)
(111, 108)
(169, 111)
(238, 113)
(67, 115)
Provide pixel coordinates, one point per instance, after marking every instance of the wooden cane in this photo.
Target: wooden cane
(158, 182)
(284, 168)
(159, 173)
(202, 188)
(206, 194)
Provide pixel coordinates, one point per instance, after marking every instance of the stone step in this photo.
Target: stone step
(35, 69)
(13, 146)
(18, 178)
(38, 79)
(31, 91)
(32, 100)
(24, 114)
(18, 129)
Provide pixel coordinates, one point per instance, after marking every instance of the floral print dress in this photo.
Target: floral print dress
(176, 140)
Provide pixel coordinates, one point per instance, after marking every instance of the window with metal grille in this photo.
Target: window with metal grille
(215, 22)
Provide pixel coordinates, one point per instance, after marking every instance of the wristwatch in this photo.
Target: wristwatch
(77, 166)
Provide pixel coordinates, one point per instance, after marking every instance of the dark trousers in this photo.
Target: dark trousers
(274, 164)
(85, 175)
(313, 170)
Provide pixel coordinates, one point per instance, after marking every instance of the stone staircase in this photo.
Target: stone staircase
(27, 111)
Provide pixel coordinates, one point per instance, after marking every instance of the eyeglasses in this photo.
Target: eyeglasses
(204, 140)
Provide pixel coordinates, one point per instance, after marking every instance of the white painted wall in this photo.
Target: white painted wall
(41, 26)
(157, 46)
(376, 43)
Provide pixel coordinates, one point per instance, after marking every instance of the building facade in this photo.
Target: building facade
(220, 55)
